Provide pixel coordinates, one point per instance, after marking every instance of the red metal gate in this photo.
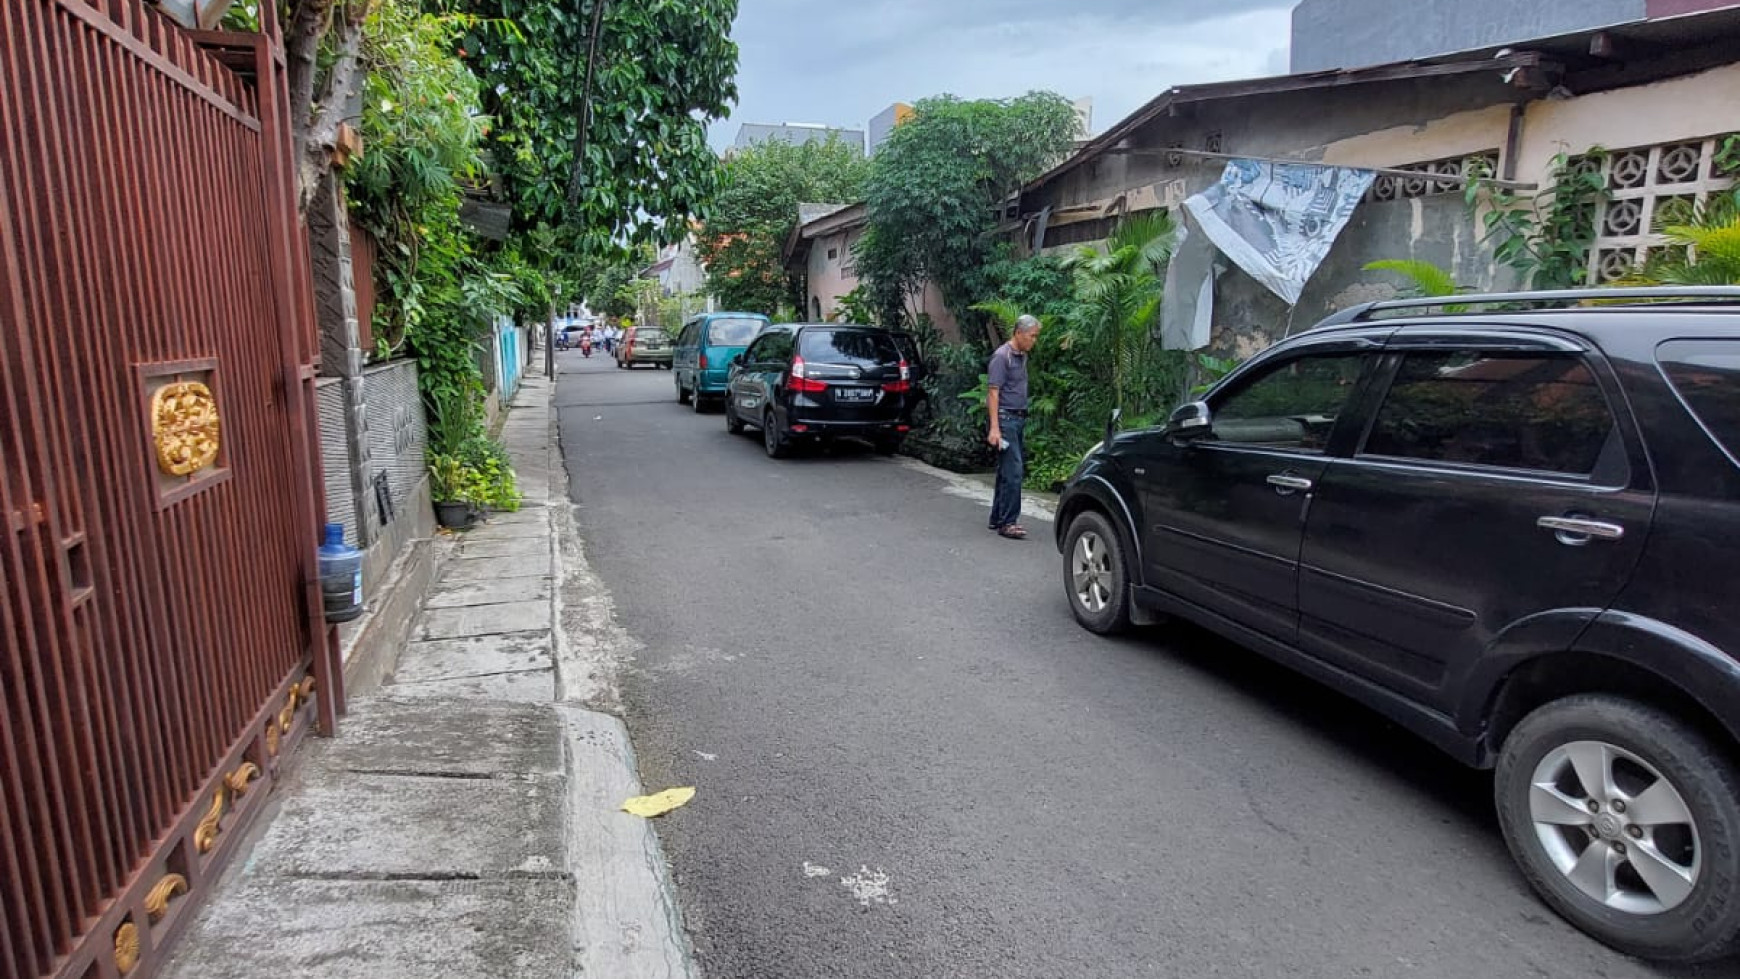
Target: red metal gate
(157, 497)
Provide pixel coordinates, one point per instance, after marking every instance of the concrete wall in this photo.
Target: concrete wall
(394, 508)
(1355, 33)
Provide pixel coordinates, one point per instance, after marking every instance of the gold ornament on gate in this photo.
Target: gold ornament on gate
(157, 901)
(126, 947)
(184, 424)
(206, 833)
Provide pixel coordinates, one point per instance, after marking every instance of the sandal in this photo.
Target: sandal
(1012, 532)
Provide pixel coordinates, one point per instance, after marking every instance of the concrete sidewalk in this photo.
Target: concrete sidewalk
(465, 821)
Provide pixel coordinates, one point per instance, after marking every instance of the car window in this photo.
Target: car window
(775, 348)
(1537, 412)
(867, 348)
(1292, 405)
(650, 337)
(1706, 373)
(733, 331)
(689, 333)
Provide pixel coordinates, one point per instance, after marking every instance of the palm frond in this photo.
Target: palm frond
(1427, 279)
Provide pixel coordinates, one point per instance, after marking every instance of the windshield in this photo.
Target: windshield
(864, 348)
(649, 337)
(733, 332)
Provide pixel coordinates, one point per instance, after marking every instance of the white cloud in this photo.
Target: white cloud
(812, 61)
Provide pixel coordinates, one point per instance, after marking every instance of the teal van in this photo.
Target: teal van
(704, 351)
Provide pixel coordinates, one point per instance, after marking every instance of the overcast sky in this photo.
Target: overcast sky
(840, 62)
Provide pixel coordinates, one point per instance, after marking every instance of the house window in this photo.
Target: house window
(1649, 188)
(1446, 176)
(833, 253)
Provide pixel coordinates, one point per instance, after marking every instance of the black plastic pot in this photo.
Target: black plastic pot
(455, 515)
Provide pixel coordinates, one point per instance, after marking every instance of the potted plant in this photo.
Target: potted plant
(450, 483)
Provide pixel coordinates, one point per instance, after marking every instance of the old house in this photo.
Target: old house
(820, 253)
(1658, 94)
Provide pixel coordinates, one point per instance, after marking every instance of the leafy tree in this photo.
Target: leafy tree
(646, 77)
(935, 187)
(756, 209)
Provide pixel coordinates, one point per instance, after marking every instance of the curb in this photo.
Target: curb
(627, 921)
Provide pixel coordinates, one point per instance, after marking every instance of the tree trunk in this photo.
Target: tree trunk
(318, 98)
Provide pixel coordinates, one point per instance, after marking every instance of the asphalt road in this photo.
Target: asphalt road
(911, 762)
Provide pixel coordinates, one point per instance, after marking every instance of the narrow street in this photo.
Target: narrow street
(911, 762)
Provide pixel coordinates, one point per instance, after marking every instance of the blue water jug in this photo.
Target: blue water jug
(340, 576)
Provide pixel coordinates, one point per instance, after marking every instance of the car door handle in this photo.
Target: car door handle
(1576, 531)
(1289, 482)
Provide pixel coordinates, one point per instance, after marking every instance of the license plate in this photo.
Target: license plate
(854, 394)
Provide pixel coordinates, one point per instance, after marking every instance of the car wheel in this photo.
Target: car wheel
(772, 439)
(683, 396)
(698, 402)
(887, 445)
(1626, 821)
(1094, 576)
(733, 425)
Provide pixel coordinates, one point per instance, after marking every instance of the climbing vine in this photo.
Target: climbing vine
(1545, 237)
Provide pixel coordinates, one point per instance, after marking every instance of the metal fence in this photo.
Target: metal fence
(158, 598)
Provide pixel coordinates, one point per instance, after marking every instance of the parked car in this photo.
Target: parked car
(799, 383)
(1513, 533)
(705, 348)
(644, 345)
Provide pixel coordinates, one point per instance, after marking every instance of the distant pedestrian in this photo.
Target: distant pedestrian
(1006, 403)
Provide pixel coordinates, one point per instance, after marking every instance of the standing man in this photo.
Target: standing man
(1006, 403)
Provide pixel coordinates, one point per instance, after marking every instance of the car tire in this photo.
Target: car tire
(772, 439)
(697, 402)
(1095, 578)
(886, 445)
(733, 424)
(683, 396)
(1653, 767)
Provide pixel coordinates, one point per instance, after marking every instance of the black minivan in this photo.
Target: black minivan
(810, 382)
(1513, 528)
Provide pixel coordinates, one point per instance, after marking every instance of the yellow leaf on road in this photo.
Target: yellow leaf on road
(660, 803)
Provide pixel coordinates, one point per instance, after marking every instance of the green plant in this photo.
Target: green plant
(756, 208)
(933, 194)
(1727, 159)
(657, 75)
(1118, 294)
(856, 307)
(1704, 251)
(1210, 371)
(1426, 280)
(477, 473)
(1546, 237)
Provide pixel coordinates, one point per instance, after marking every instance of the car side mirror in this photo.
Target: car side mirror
(1189, 422)
(1112, 422)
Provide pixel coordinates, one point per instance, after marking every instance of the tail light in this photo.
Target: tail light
(802, 384)
(703, 361)
(903, 385)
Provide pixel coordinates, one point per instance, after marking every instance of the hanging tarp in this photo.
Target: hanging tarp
(1277, 220)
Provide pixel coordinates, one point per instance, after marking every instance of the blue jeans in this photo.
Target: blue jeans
(1011, 467)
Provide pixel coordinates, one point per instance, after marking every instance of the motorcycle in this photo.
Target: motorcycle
(586, 347)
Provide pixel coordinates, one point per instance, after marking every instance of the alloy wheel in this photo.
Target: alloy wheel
(1091, 571)
(1618, 830)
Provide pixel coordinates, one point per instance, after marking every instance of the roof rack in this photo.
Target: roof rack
(1367, 311)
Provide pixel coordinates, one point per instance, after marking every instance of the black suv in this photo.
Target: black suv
(810, 382)
(1515, 533)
